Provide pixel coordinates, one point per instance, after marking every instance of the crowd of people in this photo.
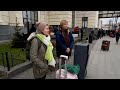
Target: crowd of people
(110, 33)
(101, 33)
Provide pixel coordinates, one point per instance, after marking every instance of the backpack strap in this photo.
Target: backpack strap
(39, 42)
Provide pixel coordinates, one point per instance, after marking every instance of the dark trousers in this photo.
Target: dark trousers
(81, 36)
(99, 36)
(117, 39)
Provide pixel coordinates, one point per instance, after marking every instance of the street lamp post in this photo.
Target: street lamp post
(27, 23)
(9, 21)
(10, 34)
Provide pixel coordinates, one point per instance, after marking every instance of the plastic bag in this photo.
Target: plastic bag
(72, 68)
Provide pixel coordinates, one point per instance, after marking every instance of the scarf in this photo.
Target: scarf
(49, 53)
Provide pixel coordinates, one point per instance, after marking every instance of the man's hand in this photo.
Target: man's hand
(68, 50)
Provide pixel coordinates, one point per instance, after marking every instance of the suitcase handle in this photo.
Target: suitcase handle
(63, 57)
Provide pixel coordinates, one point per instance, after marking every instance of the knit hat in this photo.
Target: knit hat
(41, 25)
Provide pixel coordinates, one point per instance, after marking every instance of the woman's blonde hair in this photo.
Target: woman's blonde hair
(63, 22)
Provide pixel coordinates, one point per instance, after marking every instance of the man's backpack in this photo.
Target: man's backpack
(28, 46)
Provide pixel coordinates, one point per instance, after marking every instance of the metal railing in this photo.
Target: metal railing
(8, 59)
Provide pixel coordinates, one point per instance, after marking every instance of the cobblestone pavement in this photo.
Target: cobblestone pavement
(104, 64)
(29, 75)
(51, 75)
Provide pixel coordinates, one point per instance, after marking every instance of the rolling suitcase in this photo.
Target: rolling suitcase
(105, 45)
(63, 73)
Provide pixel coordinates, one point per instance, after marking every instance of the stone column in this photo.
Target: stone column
(0, 16)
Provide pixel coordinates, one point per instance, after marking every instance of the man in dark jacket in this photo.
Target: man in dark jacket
(55, 30)
(99, 34)
(117, 36)
(33, 28)
(81, 33)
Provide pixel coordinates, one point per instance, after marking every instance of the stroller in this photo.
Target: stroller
(63, 73)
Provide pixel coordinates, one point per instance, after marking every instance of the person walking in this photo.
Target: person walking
(117, 36)
(99, 34)
(81, 34)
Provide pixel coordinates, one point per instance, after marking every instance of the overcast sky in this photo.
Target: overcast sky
(106, 20)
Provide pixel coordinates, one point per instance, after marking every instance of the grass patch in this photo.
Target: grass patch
(16, 54)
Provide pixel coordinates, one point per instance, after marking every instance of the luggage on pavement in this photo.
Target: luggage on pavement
(63, 73)
(105, 45)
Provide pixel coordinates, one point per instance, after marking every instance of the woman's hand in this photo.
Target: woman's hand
(51, 68)
(68, 50)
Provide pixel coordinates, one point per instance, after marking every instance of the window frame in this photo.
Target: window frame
(31, 19)
(84, 22)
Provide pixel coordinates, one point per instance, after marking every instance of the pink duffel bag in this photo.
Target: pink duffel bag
(62, 76)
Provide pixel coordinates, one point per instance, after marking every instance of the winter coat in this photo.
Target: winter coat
(37, 56)
(60, 44)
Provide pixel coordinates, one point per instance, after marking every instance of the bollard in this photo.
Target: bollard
(3, 60)
(11, 59)
(7, 60)
(81, 53)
